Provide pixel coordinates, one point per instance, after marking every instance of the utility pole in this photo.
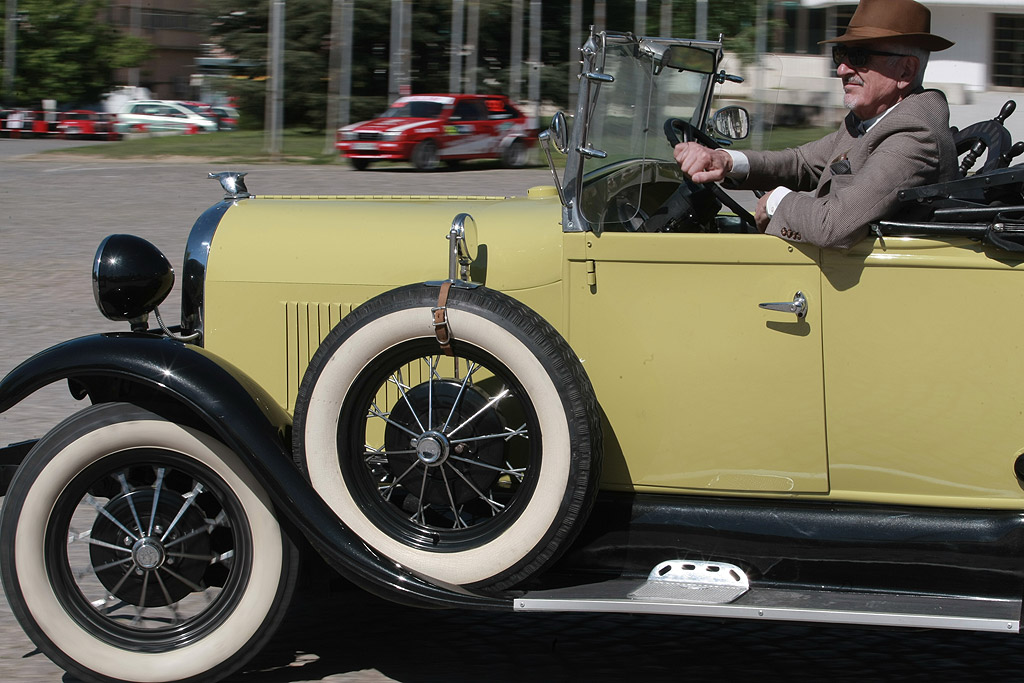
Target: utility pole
(345, 94)
(275, 84)
(640, 18)
(535, 63)
(666, 19)
(472, 44)
(405, 80)
(575, 42)
(135, 29)
(455, 62)
(339, 81)
(761, 43)
(515, 60)
(10, 50)
(395, 62)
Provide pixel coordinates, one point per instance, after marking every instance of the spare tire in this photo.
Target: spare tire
(474, 469)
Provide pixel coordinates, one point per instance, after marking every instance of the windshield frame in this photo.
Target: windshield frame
(652, 63)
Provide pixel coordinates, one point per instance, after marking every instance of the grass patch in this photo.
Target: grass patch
(297, 146)
(785, 137)
(307, 147)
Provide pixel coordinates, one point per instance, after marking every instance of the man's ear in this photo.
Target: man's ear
(907, 73)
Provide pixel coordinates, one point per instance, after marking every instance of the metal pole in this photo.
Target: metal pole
(515, 60)
(535, 63)
(275, 84)
(640, 18)
(600, 15)
(395, 58)
(455, 61)
(761, 40)
(333, 79)
(405, 74)
(666, 19)
(702, 20)
(472, 44)
(135, 28)
(10, 50)
(345, 90)
(575, 41)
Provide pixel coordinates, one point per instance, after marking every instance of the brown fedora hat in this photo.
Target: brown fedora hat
(904, 20)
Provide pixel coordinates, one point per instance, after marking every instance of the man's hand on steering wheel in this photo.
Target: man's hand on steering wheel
(698, 154)
(701, 164)
(701, 159)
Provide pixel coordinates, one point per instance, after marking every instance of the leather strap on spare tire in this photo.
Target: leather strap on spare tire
(442, 330)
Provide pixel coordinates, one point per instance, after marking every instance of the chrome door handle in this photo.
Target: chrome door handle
(798, 306)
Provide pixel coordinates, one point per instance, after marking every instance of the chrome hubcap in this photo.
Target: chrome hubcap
(432, 448)
(148, 553)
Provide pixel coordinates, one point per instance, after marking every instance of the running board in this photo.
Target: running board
(820, 606)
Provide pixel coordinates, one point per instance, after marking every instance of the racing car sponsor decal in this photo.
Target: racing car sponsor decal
(459, 130)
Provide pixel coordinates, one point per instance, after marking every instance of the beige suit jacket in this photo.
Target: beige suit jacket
(910, 146)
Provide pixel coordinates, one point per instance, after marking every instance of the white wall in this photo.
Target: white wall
(967, 61)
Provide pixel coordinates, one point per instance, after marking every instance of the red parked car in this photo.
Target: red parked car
(429, 129)
(86, 124)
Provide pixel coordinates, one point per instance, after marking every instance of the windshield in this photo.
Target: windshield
(626, 121)
(415, 109)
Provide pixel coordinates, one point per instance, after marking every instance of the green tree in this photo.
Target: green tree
(65, 53)
(240, 27)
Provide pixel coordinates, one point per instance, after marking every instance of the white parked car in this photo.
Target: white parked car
(162, 116)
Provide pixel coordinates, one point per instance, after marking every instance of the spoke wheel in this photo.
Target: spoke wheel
(425, 157)
(514, 156)
(473, 469)
(148, 549)
(134, 548)
(446, 444)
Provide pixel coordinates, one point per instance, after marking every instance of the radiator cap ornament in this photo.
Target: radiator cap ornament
(233, 183)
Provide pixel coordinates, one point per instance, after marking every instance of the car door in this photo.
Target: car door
(700, 387)
(466, 132)
(924, 357)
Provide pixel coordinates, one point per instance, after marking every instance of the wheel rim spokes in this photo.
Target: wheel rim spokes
(155, 554)
(439, 454)
(474, 416)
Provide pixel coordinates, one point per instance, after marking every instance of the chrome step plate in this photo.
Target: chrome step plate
(808, 605)
(709, 583)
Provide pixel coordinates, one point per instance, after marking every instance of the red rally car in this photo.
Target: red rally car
(428, 129)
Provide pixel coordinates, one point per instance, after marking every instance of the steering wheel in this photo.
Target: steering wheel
(691, 133)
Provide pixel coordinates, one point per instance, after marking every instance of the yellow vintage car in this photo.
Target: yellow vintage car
(610, 395)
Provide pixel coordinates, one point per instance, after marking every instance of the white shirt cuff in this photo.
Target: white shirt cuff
(777, 195)
(740, 165)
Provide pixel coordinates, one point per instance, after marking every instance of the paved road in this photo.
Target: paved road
(53, 214)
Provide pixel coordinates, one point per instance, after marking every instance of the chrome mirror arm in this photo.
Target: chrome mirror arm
(545, 139)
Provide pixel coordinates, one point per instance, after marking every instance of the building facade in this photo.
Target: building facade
(176, 29)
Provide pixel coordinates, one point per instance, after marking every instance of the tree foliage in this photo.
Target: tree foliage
(64, 53)
(240, 27)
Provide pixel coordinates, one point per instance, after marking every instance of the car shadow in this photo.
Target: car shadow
(474, 165)
(352, 636)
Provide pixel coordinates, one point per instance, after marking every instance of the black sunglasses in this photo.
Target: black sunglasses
(856, 56)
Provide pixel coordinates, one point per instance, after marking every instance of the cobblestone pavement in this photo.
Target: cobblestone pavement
(53, 213)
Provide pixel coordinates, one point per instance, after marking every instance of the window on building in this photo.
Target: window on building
(1008, 51)
(799, 30)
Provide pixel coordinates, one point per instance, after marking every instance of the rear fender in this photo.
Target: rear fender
(168, 375)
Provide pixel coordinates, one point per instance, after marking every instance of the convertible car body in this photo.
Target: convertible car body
(610, 395)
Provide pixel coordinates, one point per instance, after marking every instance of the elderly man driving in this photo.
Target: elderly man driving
(896, 136)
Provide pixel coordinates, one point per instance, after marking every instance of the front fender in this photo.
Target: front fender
(238, 412)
